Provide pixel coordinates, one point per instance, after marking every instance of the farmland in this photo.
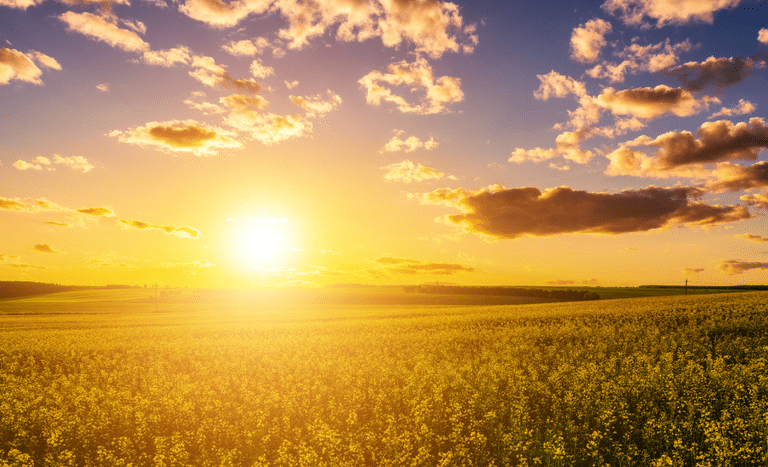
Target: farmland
(112, 377)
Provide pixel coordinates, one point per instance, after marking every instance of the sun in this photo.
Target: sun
(263, 243)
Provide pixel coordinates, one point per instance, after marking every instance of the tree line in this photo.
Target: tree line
(557, 294)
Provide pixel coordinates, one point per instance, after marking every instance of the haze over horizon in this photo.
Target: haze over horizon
(205, 143)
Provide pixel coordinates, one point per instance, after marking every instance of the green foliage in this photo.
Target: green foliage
(650, 381)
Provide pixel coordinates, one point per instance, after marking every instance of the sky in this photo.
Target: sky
(203, 143)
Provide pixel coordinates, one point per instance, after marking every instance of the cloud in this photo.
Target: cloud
(762, 36)
(752, 238)
(243, 114)
(393, 265)
(291, 85)
(408, 172)
(692, 271)
(588, 39)
(568, 146)
(734, 177)
(15, 65)
(5, 257)
(513, 212)
(101, 211)
(104, 87)
(104, 30)
(637, 58)
(315, 106)
(410, 144)
(432, 27)
(22, 4)
(205, 70)
(666, 12)
(732, 267)
(75, 162)
(744, 107)
(36, 205)
(38, 164)
(44, 60)
(183, 232)
(629, 107)
(246, 48)
(59, 224)
(179, 136)
(167, 58)
(649, 103)
(716, 72)
(416, 76)
(259, 70)
(758, 200)
(714, 142)
(45, 248)
(553, 83)
(219, 14)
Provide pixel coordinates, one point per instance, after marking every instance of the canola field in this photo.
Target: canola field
(102, 379)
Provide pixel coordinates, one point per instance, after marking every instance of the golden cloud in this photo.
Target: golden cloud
(22, 4)
(104, 30)
(513, 212)
(178, 136)
(15, 65)
(409, 144)
(588, 39)
(183, 232)
(102, 211)
(205, 70)
(408, 172)
(714, 142)
(259, 70)
(636, 58)
(692, 271)
(394, 265)
(762, 36)
(219, 14)
(45, 248)
(36, 205)
(732, 267)
(744, 107)
(416, 75)
(649, 103)
(315, 106)
(752, 238)
(717, 72)
(553, 83)
(666, 12)
(734, 177)
(59, 224)
(246, 48)
(167, 58)
(758, 200)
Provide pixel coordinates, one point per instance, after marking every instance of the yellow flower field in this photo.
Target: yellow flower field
(101, 379)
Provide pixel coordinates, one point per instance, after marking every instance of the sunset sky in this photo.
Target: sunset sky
(269, 142)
